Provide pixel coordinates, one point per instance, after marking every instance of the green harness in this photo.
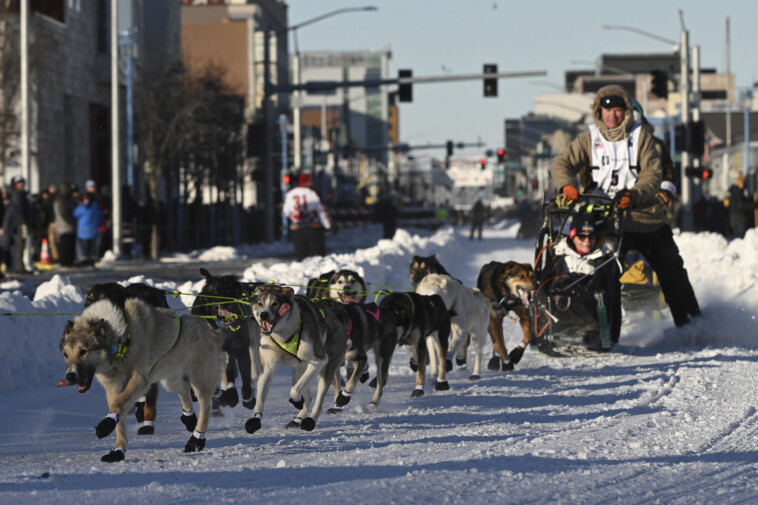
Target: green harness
(293, 344)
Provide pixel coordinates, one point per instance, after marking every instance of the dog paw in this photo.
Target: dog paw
(372, 384)
(494, 364)
(229, 398)
(248, 404)
(474, 377)
(146, 430)
(516, 354)
(308, 424)
(364, 377)
(139, 412)
(253, 424)
(114, 456)
(295, 423)
(190, 421)
(508, 366)
(105, 427)
(334, 410)
(441, 386)
(417, 393)
(342, 399)
(194, 444)
(299, 403)
(414, 366)
(449, 364)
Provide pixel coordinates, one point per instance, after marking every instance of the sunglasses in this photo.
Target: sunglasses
(612, 101)
(585, 237)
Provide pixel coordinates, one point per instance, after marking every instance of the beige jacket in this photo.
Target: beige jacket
(574, 163)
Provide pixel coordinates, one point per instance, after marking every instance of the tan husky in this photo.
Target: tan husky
(128, 351)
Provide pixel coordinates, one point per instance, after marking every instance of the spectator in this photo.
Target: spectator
(7, 231)
(89, 218)
(308, 219)
(386, 213)
(23, 206)
(49, 198)
(740, 207)
(65, 224)
(478, 215)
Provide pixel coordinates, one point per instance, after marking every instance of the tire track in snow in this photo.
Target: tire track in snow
(734, 430)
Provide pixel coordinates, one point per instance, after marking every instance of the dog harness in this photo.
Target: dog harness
(291, 346)
(178, 322)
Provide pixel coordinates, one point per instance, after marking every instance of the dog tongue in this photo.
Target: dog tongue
(349, 299)
(266, 326)
(285, 307)
(62, 383)
(524, 297)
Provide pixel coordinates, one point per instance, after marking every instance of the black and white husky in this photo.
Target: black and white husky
(295, 333)
(422, 323)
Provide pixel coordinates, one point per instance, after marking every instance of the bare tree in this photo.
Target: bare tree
(185, 117)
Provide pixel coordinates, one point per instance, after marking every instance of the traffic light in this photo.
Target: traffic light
(449, 147)
(490, 84)
(483, 163)
(660, 86)
(500, 155)
(697, 139)
(699, 173)
(405, 90)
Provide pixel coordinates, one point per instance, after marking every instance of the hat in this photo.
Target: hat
(581, 225)
(304, 180)
(611, 101)
(90, 184)
(16, 179)
(639, 114)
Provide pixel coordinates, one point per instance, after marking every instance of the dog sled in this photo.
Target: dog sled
(576, 306)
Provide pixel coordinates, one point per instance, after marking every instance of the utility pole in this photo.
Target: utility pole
(684, 90)
(115, 155)
(268, 164)
(24, 43)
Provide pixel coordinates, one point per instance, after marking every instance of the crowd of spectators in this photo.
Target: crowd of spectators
(69, 224)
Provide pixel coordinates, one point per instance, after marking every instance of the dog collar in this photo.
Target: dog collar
(119, 350)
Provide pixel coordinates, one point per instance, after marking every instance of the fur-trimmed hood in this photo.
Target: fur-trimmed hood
(622, 130)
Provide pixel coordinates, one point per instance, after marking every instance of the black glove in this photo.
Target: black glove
(665, 198)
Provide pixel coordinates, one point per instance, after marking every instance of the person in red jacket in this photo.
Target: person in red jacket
(308, 219)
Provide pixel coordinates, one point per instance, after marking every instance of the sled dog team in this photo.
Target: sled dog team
(129, 340)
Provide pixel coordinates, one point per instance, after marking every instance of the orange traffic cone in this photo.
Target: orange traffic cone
(44, 256)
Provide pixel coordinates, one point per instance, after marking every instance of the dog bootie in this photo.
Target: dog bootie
(372, 384)
(449, 364)
(299, 403)
(441, 386)
(414, 366)
(196, 443)
(229, 398)
(342, 399)
(253, 424)
(146, 429)
(114, 456)
(189, 420)
(106, 426)
(248, 403)
(516, 354)
(295, 423)
(494, 363)
(308, 424)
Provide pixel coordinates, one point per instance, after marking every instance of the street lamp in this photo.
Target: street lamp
(296, 73)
